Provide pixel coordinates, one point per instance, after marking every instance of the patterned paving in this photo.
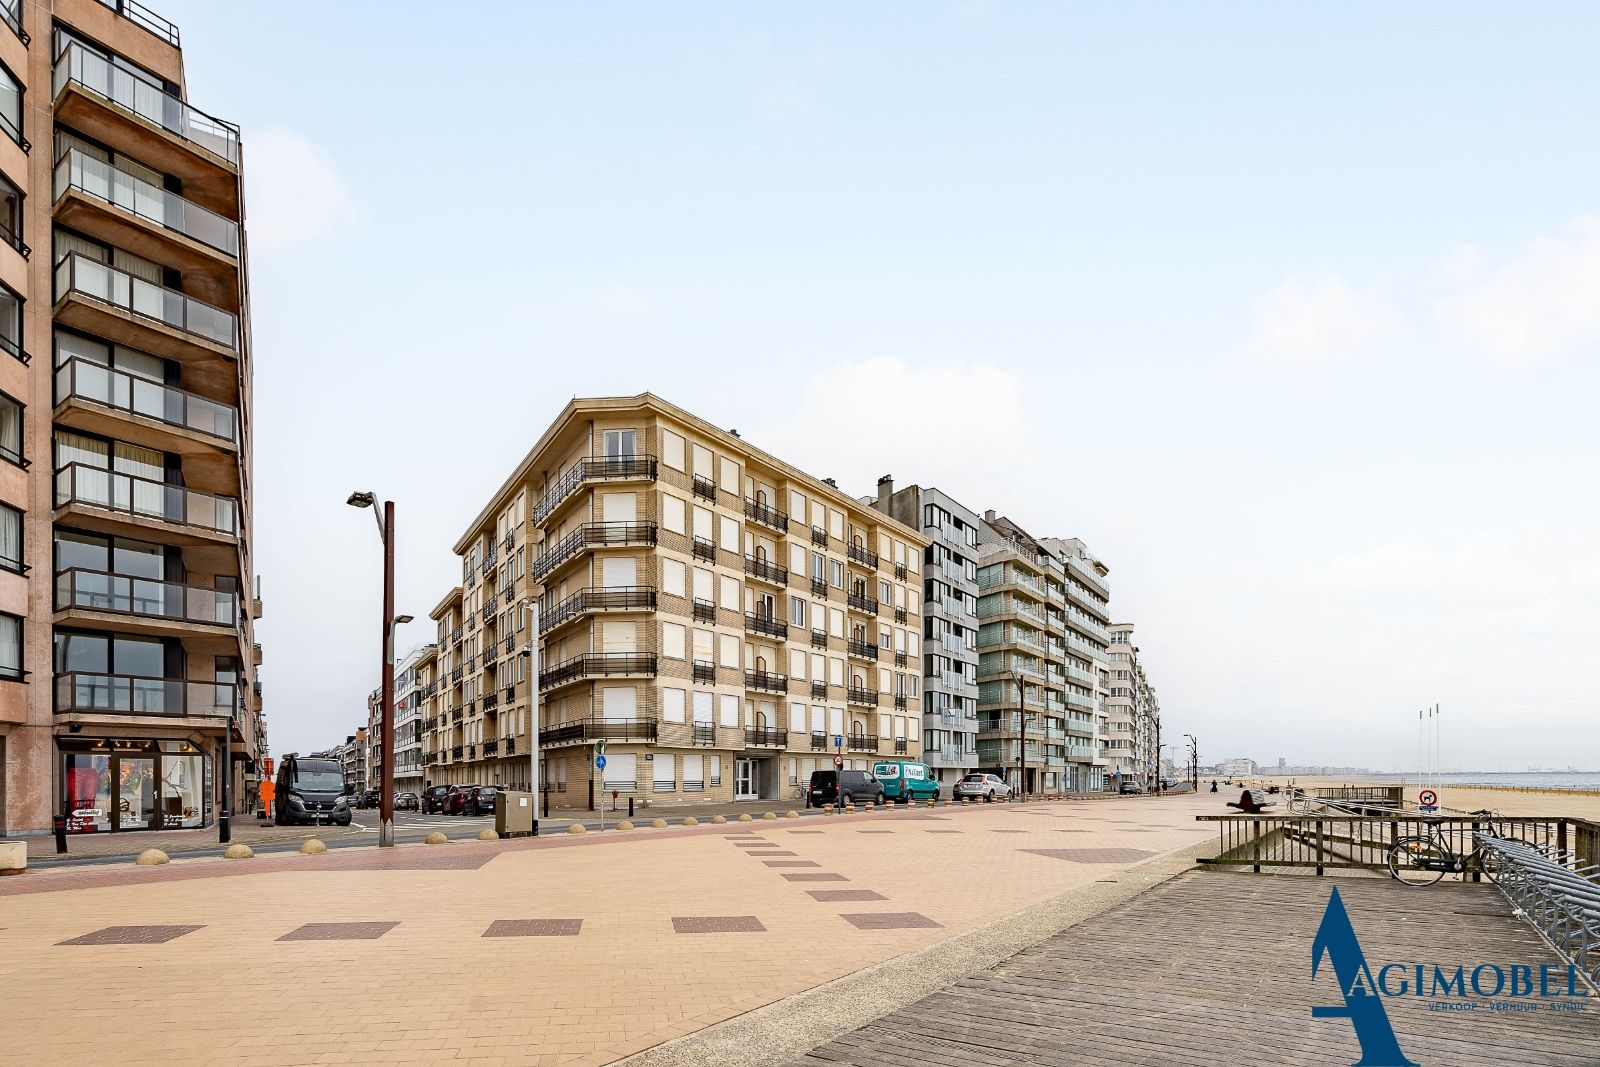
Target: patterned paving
(791, 863)
(1092, 855)
(889, 920)
(831, 895)
(534, 928)
(132, 935)
(829, 877)
(717, 924)
(339, 932)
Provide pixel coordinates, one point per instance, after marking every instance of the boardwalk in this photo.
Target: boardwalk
(1215, 968)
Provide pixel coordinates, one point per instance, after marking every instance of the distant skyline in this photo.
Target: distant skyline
(1291, 313)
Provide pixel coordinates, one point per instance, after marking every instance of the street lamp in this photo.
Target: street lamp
(1022, 734)
(1194, 762)
(390, 620)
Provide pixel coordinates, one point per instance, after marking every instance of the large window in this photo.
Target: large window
(11, 538)
(10, 430)
(11, 214)
(11, 323)
(10, 646)
(11, 107)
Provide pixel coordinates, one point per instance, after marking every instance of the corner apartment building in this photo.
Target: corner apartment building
(712, 614)
(408, 768)
(1042, 632)
(949, 623)
(1133, 710)
(127, 650)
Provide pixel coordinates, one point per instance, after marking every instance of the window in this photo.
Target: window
(620, 444)
(672, 639)
(11, 214)
(11, 647)
(672, 450)
(11, 538)
(672, 577)
(11, 430)
(672, 513)
(797, 611)
(11, 108)
(671, 706)
(11, 323)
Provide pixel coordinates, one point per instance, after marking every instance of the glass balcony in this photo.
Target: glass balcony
(78, 483)
(150, 202)
(145, 597)
(77, 273)
(82, 380)
(142, 96)
(128, 695)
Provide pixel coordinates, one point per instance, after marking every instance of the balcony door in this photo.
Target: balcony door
(619, 444)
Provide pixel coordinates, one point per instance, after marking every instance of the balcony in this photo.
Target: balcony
(121, 694)
(863, 603)
(582, 730)
(762, 737)
(456, 714)
(705, 671)
(899, 659)
(861, 649)
(819, 690)
(704, 733)
(202, 517)
(118, 594)
(133, 112)
(705, 549)
(900, 571)
(455, 675)
(766, 515)
(488, 563)
(598, 665)
(593, 535)
(766, 681)
(819, 639)
(899, 614)
(129, 212)
(765, 625)
(491, 747)
(901, 701)
(900, 747)
(819, 588)
(819, 741)
(456, 752)
(600, 469)
(141, 314)
(866, 697)
(489, 655)
(592, 599)
(765, 571)
(860, 743)
(511, 746)
(862, 555)
(704, 488)
(819, 537)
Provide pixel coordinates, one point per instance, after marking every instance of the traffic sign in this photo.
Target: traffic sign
(600, 763)
(1427, 796)
(838, 761)
(838, 740)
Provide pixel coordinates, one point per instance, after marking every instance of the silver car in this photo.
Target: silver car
(981, 787)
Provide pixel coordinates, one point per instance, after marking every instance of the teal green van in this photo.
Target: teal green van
(905, 780)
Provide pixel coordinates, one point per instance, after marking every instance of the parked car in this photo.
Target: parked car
(856, 786)
(1130, 788)
(370, 798)
(905, 780)
(455, 801)
(481, 801)
(310, 791)
(407, 801)
(979, 786)
(433, 799)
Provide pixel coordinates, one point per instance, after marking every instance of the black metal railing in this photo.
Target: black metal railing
(488, 655)
(861, 696)
(900, 747)
(899, 659)
(491, 701)
(704, 610)
(597, 664)
(819, 588)
(705, 548)
(819, 690)
(511, 746)
(455, 675)
(759, 735)
(901, 701)
(766, 681)
(704, 733)
(860, 743)
(819, 537)
(491, 747)
(705, 671)
(766, 571)
(704, 488)
(607, 468)
(593, 598)
(130, 695)
(766, 625)
(863, 555)
(863, 649)
(766, 515)
(862, 602)
(899, 614)
(900, 571)
(597, 729)
(819, 741)
(591, 535)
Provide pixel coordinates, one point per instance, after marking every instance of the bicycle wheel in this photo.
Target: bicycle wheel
(1418, 861)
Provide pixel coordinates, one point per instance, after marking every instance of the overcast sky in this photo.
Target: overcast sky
(1292, 313)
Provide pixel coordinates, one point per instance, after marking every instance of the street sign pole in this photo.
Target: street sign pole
(600, 765)
(838, 773)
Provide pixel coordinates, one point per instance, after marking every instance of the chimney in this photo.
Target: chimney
(885, 491)
(830, 481)
(988, 516)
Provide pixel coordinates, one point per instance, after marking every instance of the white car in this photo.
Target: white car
(981, 787)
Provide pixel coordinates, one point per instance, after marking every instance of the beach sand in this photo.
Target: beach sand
(1455, 798)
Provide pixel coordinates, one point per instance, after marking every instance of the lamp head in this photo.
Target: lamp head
(362, 500)
(402, 619)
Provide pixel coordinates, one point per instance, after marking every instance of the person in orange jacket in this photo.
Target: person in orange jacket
(267, 790)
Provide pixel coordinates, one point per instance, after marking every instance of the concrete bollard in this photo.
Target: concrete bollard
(745, 816)
(719, 819)
(151, 857)
(867, 806)
(624, 825)
(932, 803)
(690, 820)
(435, 838)
(791, 814)
(828, 810)
(238, 851)
(13, 857)
(576, 828)
(312, 847)
(770, 816)
(658, 824)
(488, 834)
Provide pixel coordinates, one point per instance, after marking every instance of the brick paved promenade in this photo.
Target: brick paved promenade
(569, 950)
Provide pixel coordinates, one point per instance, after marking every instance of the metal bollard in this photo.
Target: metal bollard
(58, 823)
(630, 807)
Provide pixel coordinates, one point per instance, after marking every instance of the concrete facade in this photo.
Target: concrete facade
(1134, 711)
(711, 614)
(127, 650)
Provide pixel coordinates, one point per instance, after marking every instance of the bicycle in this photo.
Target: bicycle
(1420, 860)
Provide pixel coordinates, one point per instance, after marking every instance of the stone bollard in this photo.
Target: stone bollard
(238, 851)
(690, 820)
(624, 825)
(488, 834)
(867, 806)
(719, 819)
(576, 828)
(745, 816)
(658, 824)
(435, 838)
(932, 803)
(792, 814)
(828, 810)
(13, 857)
(312, 847)
(770, 815)
(151, 857)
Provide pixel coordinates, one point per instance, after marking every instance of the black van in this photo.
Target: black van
(859, 787)
(311, 791)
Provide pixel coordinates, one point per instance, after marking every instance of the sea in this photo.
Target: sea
(1578, 781)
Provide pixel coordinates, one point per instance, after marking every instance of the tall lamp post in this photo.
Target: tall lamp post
(1194, 762)
(1022, 736)
(390, 621)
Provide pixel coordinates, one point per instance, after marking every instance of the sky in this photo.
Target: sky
(1292, 313)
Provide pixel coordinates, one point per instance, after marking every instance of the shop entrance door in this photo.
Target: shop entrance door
(135, 792)
(744, 779)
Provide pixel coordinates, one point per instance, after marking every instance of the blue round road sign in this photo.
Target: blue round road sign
(600, 763)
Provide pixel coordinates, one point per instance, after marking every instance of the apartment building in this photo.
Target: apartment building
(1134, 710)
(408, 700)
(717, 618)
(1041, 634)
(353, 756)
(949, 623)
(127, 651)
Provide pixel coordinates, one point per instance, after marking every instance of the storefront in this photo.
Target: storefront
(113, 785)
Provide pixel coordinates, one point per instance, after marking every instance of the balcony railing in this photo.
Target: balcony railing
(766, 515)
(491, 747)
(77, 273)
(757, 735)
(456, 714)
(862, 555)
(900, 571)
(129, 695)
(704, 610)
(599, 730)
(862, 696)
(900, 700)
(767, 572)
(819, 639)
(597, 664)
(860, 743)
(606, 468)
(705, 549)
(620, 598)
(819, 741)
(90, 590)
(860, 602)
(106, 183)
(145, 19)
(862, 649)
(704, 733)
(819, 537)
(140, 95)
(11, 15)
(79, 483)
(766, 625)
(766, 681)
(899, 614)
(591, 535)
(704, 488)
(705, 671)
(489, 655)
(819, 690)
(899, 659)
(900, 747)
(819, 588)
(455, 675)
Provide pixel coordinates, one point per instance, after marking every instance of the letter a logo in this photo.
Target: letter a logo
(1362, 1004)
